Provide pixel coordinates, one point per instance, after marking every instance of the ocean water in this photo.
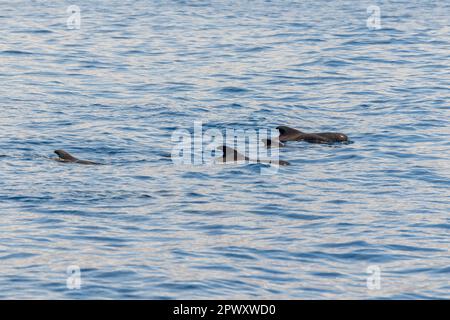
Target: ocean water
(365, 220)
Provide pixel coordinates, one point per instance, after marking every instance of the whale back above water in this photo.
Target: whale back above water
(64, 156)
(232, 155)
(271, 143)
(291, 134)
(333, 136)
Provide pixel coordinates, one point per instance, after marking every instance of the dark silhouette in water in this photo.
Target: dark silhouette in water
(290, 134)
(231, 155)
(67, 157)
(272, 143)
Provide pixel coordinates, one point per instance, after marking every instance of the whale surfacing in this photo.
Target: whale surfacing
(272, 143)
(232, 155)
(68, 158)
(291, 134)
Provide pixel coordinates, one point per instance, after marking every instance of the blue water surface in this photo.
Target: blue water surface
(117, 88)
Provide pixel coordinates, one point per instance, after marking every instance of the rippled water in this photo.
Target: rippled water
(141, 227)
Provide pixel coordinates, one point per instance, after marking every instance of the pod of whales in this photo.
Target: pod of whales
(231, 155)
(290, 134)
(68, 158)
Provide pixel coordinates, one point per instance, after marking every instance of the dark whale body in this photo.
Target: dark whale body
(272, 143)
(231, 155)
(290, 134)
(67, 157)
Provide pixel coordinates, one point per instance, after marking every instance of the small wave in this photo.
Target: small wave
(23, 255)
(15, 53)
(233, 90)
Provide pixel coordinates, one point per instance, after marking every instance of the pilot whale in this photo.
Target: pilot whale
(290, 134)
(67, 157)
(272, 143)
(231, 155)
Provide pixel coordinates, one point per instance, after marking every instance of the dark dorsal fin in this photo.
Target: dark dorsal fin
(287, 133)
(269, 143)
(63, 155)
(230, 154)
